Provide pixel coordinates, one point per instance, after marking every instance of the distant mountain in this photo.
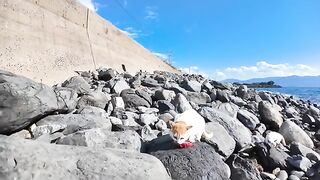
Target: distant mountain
(288, 81)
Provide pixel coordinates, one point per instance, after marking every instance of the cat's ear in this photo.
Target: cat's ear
(189, 127)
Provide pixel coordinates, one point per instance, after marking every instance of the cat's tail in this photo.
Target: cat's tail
(207, 135)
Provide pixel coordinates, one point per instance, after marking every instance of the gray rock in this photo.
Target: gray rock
(164, 94)
(161, 125)
(25, 134)
(23, 102)
(268, 176)
(193, 86)
(91, 110)
(206, 85)
(78, 83)
(149, 82)
(115, 121)
(95, 98)
(49, 138)
(106, 74)
(291, 112)
(181, 103)
(242, 91)
(198, 98)
(228, 108)
(308, 119)
(248, 119)
(243, 169)
(293, 177)
(222, 96)
(292, 132)
(148, 119)
(175, 87)
(145, 110)
(297, 148)
(198, 162)
(213, 95)
(238, 101)
(103, 138)
(117, 102)
(147, 134)
(69, 123)
(164, 106)
(235, 128)
(265, 96)
(300, 162)
(120, 86)
(67, 98)
(272, 157)
(270, 115)
(282, 175)
(221, 140)
(26, 159)
(133, 100)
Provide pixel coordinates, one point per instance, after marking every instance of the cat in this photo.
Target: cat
(189, 126)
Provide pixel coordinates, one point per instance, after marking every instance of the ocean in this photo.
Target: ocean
(305, 93)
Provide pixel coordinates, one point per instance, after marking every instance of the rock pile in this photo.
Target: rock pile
(110, 125)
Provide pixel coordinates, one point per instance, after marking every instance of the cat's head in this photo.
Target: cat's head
(178, 131)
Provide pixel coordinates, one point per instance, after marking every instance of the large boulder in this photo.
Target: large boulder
(69, 123)
(23, 102)
(103, 138)
(235, 128)
(26, 159)
(198, 162)
(220, 140)
(293, 133)
(299, 149)
(270, 115)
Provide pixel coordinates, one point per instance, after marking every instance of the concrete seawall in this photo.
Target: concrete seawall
(47, 40)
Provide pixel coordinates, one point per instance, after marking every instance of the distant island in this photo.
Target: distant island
(269, 84)
(287, 81)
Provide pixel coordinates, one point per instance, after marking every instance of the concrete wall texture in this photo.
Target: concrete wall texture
(47, 40)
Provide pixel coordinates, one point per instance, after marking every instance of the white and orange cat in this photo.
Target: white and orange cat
(189, 126)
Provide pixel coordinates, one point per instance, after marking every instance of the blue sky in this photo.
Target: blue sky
(224, 38)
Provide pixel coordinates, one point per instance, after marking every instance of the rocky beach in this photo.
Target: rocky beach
(114, 125)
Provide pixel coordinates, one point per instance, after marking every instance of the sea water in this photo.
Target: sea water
(306, 93)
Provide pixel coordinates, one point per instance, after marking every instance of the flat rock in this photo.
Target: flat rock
(103, 138)
(69, 123)
(197, 162)
(27, 159)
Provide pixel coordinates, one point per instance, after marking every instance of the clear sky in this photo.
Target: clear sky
(224, 38)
